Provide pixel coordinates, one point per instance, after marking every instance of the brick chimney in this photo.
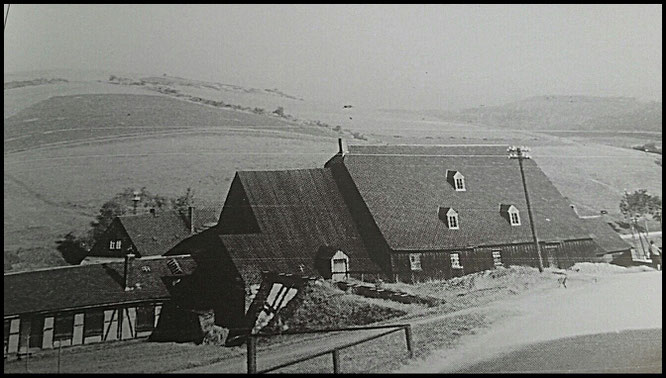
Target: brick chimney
(128, 276)
(190, 211)
(341, 150)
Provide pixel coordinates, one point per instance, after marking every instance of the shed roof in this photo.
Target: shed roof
(404, 186)
(92, 285)
(604, 235)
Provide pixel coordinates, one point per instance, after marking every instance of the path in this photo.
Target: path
(617, 302)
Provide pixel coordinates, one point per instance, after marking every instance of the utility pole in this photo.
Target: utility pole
(521, 154)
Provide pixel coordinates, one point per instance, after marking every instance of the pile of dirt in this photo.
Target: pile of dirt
(325, 306)
(516, 278)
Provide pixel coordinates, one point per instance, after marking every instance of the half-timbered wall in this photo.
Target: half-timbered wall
(87, 326)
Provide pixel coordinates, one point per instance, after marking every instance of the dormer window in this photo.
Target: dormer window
(459, 182)
(510, 213)
(514, 216)
(452, 219)
(456, 179)
(449, 216)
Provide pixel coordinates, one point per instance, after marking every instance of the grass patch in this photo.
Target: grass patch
(388, 353)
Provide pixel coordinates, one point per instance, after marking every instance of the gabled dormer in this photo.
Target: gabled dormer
(511, 214)
(456, 180)
(449, 217)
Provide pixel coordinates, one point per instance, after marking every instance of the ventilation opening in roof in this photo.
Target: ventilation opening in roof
(174, 266)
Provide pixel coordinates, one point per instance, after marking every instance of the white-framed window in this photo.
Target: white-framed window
(118, 242)
(497, 258)
(452, 219)
(112, 245)
(415, 261)
(515, 219)
(459, 182)
(514, 215)
(455, 261)
(339, 266)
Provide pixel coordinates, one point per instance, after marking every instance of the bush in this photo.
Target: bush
(279, 111)
(72, 249)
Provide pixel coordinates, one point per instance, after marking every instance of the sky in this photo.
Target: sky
(386, 56)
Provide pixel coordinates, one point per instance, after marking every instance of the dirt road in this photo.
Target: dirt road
(615, 303)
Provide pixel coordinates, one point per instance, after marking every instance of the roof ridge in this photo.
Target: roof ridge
(283, 170)
(429, 145)
(53, 268)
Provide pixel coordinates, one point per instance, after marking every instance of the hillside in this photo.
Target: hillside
(554, 113)
(70, 146)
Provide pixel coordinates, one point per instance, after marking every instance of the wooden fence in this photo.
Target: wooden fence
(335, 352)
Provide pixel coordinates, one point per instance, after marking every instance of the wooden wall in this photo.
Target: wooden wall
(437, 264)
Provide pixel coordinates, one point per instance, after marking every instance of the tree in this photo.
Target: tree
(639, 204)
(183, 203)
(107, 213)
(72, 249)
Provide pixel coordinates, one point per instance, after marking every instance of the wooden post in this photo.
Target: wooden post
(336, 361)
(59, 353)
(108, 329)
(408, 339)
(119, 329)
(27, 348)
(251, 354)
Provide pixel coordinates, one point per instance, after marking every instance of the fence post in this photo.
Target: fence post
(408, 339)
(251, 354)
(336, 361)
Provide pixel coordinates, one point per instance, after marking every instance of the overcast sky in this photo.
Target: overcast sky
(388, 56)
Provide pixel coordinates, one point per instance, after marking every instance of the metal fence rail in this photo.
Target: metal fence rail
(335, 352)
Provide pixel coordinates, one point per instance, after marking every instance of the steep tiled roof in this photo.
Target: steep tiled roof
(604, 235)
(63, 288)
(155, 234)
(297, 212)
(404, 187)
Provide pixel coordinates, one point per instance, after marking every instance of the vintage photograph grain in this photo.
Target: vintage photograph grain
(322, 188)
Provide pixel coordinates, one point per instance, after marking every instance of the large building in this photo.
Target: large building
(440, 212)
(403, 213)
